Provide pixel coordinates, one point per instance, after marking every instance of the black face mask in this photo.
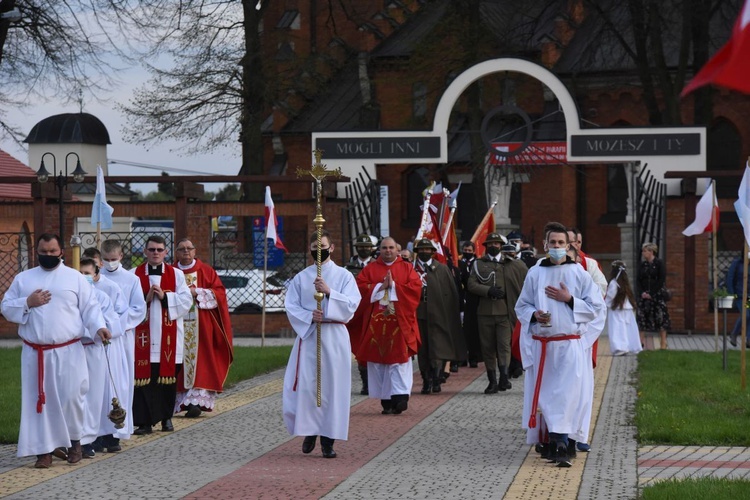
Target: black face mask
(424, 256)
(468, 256)
(364, 253)
(49, 261)
(493, 251)
(324, 254)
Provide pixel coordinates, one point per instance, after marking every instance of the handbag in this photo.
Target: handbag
(666, 294)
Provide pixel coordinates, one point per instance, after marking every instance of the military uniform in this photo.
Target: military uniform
(438, 319)
(497, 281)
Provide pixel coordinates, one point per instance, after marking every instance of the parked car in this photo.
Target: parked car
(245, 290)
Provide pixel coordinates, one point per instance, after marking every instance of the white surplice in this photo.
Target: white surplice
(622, 327)
(96, 362)
(563, 395)
(72, 309)
(302, 416)
(130, 286)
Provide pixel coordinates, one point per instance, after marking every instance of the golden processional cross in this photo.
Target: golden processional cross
(319, 173)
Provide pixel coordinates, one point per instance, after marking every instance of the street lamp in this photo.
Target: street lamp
(61, 181)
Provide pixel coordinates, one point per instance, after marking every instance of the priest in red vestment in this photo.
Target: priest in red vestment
(390, 289)
(208, 336)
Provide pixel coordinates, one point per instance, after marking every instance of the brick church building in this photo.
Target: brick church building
(383, 66)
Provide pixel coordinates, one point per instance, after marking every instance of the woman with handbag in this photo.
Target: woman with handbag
(652, 295)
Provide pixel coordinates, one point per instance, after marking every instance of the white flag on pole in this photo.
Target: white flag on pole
(101, 212)
(742, 205)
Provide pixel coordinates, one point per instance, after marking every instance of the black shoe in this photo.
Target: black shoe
(99, 444)
(572, 448)
(166, 425)
(401, 402)
(454, 368)
(193, 411)
(87, 451)
(308, 444)
(733, 341)
(114, 448)
(562, 456)
(503, 384)
(365, 386)
(444, 376)
(436, 380)
(387, 405)
(473, 364)
(545, 450)
(326, 445)
(426, 383)
(492, 387)
(142, 430)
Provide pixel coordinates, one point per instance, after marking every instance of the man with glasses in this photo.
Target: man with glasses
(159, 340)
(208, 335)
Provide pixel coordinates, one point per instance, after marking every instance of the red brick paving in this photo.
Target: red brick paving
(285, 472)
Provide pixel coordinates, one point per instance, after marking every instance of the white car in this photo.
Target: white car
(245, 290)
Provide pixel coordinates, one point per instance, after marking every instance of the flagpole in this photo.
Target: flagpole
(99, 236)
(425, 212)
(265, 269)
(715, 264)
(743, 312)
(484, 221)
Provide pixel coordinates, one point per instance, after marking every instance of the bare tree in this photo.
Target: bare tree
(51, 48)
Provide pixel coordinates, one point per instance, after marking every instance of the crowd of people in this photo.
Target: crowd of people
(109, 353)
(503, 306)
(157, 340)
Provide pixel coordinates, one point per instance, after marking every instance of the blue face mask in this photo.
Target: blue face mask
(89, 278)
(557, 254)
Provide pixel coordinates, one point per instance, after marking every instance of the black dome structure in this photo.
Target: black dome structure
(69, 128)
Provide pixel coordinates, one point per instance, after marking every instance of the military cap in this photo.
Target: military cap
(424, 243)
(495, 238)
(514, 235)
(363, 240)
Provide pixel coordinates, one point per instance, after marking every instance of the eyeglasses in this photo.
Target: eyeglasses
(186, 249)
(157, 250)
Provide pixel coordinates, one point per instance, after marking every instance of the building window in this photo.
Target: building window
(724, 153)
(419, 100)
(290, 19)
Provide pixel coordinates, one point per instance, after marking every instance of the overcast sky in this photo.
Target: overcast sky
(224, 161)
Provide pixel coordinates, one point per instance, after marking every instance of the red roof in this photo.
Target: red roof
(10, 167)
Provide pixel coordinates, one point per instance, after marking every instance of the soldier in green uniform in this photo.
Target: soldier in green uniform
(497, 281)
(438, 316)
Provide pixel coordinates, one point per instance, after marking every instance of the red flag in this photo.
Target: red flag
(272, 222)
(451, 243)
(486, 227)
(730, 66)
(705, 211)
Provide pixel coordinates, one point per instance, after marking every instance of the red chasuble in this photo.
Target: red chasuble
(208, 356)
(389, 338)
(168, 333)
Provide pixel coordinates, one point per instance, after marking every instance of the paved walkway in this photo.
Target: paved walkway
(459, 443)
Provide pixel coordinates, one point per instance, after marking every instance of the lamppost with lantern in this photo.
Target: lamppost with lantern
(61, 181)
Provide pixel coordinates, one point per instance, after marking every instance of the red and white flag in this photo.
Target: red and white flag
(272, 222)
(730, 66)
(705, 211)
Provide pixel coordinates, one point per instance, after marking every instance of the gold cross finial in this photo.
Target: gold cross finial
(318, 170)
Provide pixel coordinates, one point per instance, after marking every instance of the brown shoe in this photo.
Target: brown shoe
(61, 453)
(75, 453)
(43, 461)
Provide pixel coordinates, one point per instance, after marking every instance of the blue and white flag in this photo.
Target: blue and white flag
(101, 212)
(742, 205)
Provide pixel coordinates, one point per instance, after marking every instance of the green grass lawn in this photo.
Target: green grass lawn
(248, 362)
(686, 398)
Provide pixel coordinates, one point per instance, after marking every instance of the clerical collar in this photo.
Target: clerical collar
(388, 263)
(154, 270)
(186, 267)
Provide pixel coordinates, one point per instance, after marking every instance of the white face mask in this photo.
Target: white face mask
(112, 265)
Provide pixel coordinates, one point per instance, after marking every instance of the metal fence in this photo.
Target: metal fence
(15, 256)
(242, 270)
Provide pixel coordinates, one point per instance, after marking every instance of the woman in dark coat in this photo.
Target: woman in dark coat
(652, 305)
